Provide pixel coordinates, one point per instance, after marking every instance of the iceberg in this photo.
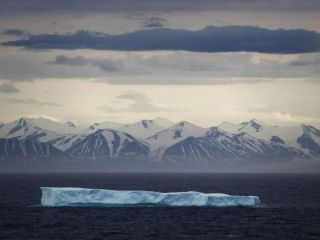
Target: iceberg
(66, 196)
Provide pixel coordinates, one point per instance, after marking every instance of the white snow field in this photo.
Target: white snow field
(58, 197)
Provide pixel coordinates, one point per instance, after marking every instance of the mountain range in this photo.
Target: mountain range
(156, 141)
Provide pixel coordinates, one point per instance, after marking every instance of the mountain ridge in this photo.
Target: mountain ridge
(182, 142)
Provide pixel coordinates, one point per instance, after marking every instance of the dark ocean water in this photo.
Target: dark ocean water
(290, 210)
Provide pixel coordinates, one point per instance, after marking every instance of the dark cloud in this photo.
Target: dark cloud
(73, 61)
(8, 88)
(106, 65)
(209, 39)
(16, 32)
(154, 22)
(30, 66)
(10, 7)
(33, 102)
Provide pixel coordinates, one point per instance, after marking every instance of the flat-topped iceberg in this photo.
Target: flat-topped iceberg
(56, 197)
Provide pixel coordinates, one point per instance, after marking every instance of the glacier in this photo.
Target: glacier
(68, 196)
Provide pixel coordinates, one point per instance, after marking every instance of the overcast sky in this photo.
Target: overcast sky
(204, 61)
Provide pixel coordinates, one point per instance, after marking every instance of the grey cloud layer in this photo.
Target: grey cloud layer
(159, 68)
(107, 65)
(209, 39)
(119, 6)
(154, 22)
(235, 65)
(33, 102)
(8, 88)
(16, 32)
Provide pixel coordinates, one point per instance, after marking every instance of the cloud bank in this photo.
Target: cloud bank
(164, 68)
(208, 39)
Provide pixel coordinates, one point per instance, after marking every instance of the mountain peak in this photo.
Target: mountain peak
(143, 128)
(215, 132)
(256, 121)
(145, 123)
(311, 129)
(20, 127)
(184, 123)
(70, 124)
(253, 124)
(24, 122)
(163, 122)
(104, 125)
(93, 126)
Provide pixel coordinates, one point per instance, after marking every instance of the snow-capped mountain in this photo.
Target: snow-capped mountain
(159, 140)
(22, 150)
(44, 131)
(217, 146)
(173, 134)
(35, 127)
(310, 140)
(23, 128)
(1, 124)
(300, 136)
(142, 129)
(109, 144)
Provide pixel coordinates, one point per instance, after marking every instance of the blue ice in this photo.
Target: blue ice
(66, 196)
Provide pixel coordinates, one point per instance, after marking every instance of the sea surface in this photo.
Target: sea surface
(290, 208)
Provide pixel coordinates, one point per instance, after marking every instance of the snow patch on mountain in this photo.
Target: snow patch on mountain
(251, 127)
(173, 134)
(105, 125)
(142, 129)
(62, 141)
(57, 127)
(163, 122)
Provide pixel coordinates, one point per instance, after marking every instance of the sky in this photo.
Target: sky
(205, 61)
